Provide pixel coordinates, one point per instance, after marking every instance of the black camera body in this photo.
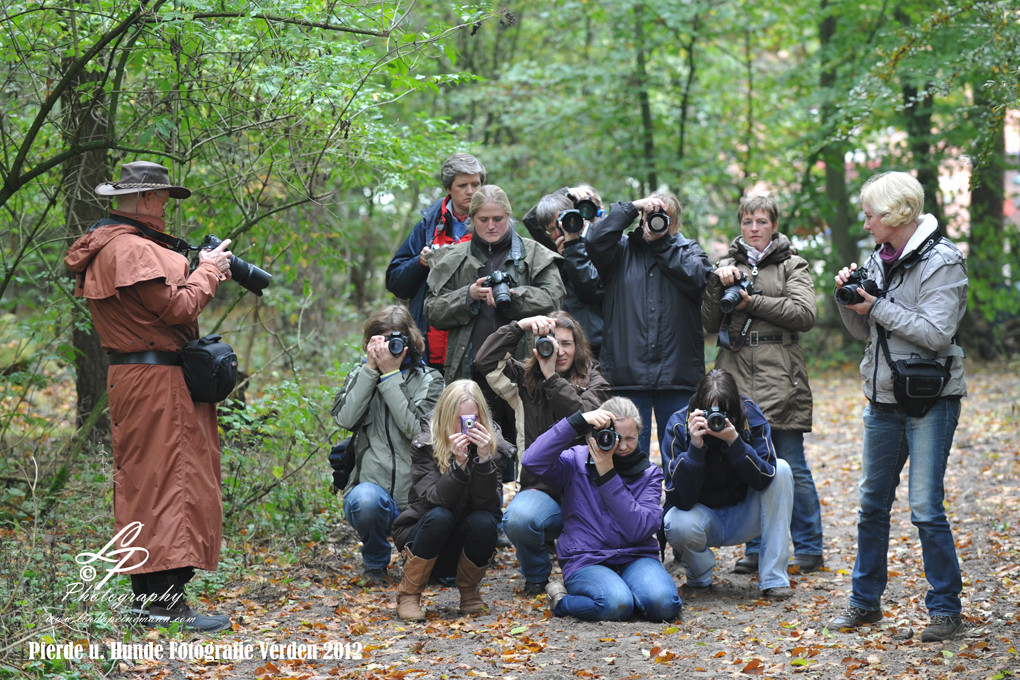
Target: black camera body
(396, 342)
(247, 275)
(545, 345)
(606, 438)
(716, 418)
(572, 221)
(658, 221)
(848, 295)
(500, 282)
(731, 295)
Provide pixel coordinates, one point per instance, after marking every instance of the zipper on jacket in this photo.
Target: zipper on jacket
(393, 456)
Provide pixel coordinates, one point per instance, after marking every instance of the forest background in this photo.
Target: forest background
(312, 133)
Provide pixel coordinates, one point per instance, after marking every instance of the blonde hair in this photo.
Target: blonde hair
(446, 418)
(673, 209)
(623, 408)
(896, 196)
(490, 193)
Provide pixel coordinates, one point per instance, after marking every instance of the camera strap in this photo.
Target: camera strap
(166, 240)
(724, 333)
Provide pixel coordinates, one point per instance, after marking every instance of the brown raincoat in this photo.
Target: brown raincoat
(166, 449)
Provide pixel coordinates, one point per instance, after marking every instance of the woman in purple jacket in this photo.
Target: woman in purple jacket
(611, 513)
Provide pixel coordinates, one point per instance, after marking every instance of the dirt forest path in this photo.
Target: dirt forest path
(725, 632)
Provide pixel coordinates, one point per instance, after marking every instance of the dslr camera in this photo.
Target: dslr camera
(396, 342)
(731, 295)
(249, 276)
(848, 295)
(572, 221)
(586, 207)
(500, 282)
(545, 345)
(658, 221)
(716, 418)
(606, 438)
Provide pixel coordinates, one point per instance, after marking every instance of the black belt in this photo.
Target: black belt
(754, 338)
(148, 357)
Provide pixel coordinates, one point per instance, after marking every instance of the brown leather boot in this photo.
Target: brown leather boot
(469, 575)
(412, 582)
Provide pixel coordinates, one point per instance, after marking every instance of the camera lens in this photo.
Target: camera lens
(587, 208)
(396, 343)
(716, 419)
(848, 295)
(730, 299)
(606, 438)
(545, 346)
(658, 221)
(572, 221)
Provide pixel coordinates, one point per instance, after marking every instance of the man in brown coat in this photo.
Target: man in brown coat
(166, 451)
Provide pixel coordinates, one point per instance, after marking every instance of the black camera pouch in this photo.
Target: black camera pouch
(210, 368)
(917, 383)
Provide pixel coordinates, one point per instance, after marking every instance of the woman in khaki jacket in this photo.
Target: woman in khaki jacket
(759, 299)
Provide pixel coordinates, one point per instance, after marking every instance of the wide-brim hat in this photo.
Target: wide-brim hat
(140, 176)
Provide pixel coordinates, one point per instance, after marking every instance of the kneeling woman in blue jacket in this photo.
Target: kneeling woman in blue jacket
(611, 513)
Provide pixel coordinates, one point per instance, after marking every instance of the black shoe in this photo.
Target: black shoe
(778, 593)
(943, 628)
(376, 577)
(748, 564)
(807, 563)
(854, 616)
(533, 589)
(188, 618)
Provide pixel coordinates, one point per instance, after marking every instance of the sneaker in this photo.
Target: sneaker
(778, 593)
(748, 564)
(807, 563)
(943, 628)
(852, 616)
(533, 589)
(554, 592)
(162, 617)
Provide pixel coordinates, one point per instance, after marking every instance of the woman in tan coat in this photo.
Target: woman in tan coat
(760, 299)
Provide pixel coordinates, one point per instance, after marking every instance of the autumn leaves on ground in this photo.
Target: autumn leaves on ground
(726, 632)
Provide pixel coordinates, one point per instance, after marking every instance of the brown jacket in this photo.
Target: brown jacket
(166, 449)
(772, 373)
(461, 491)
(552, 400)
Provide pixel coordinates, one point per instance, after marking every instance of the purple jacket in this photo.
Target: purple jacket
(610, 520)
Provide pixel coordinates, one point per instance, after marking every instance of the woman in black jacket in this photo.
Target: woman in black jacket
(449, 524)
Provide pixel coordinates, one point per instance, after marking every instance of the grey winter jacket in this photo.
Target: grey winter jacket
(386, 417)
(924, 302)
(772, 373)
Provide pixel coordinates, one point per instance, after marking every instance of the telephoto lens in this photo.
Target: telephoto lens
(587, 208)
(245, 274)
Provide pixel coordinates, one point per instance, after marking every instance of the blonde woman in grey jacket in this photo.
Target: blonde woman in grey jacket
(382, 402)
(912, 301)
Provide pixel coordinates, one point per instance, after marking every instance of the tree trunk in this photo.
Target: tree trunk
(647, 133)
(86, 120)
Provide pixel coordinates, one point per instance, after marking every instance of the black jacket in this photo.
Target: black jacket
(652, 309)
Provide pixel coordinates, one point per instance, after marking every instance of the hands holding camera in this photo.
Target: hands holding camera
(472, 433)
(219, 256)
(602, 423)
(546, 348)
(379, 357)
(730, 276)
(857, 295)
(701, 423)
(649, 206)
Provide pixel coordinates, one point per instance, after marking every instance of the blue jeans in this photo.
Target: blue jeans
(601, 593)
(664, 403)
(764, 514)
(371, 512)
(531, 519)
(806, 525)
(890, 437)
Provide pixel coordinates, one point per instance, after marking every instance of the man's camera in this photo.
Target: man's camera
(500, 282)
(716, 418)
(572, 221)
(396, 342)
(848, 295)
(606, 438)
(586, 208)
(658, 221)
(244, 273)
(731, 295)
(545, 345)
